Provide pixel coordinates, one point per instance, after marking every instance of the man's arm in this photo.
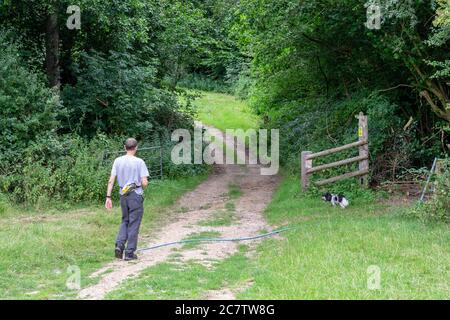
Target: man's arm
(108, 203)
(144, 175)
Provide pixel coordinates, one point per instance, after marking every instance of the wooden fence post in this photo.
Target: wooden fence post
(363, 135)
(305, 165)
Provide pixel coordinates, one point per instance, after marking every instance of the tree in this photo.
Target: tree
(28, 110)
(407, 36)
(37, 23)
(52, 47)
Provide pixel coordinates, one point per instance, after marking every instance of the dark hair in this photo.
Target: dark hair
(130, 144)
(327, 196)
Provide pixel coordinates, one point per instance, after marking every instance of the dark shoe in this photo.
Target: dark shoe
(130, 256)
(119, 252)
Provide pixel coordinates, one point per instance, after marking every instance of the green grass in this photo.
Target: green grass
(230, 206)
(224, 111)
(326, 257)
(234, 191)
(220, 219)
(36, 248)
(329, 259)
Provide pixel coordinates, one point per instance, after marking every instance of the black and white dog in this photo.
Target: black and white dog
(336, 199)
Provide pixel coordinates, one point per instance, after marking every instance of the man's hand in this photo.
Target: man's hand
(144, 182)
(108, 203)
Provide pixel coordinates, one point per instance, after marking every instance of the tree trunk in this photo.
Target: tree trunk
(52, 50)
(433, 90)
(444, 112)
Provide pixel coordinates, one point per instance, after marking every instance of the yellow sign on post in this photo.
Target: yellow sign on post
(360, 132)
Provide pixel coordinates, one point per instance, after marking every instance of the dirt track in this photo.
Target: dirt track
(196, 206)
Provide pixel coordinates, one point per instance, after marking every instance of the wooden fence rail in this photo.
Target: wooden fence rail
(307, 157)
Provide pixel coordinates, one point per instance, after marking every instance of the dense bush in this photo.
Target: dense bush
(70, 169)
(4, 204)
(54, 154)
(316, 124)
(243, 85)
(119, 74)
(28, 110)
(108, 80)
(310, 78)
(65, 168)
(117, 94)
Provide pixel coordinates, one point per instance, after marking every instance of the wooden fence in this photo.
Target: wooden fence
(307, 157)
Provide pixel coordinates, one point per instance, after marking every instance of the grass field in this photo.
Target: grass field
(224, 111)
(36, 248)
(332, 253)
(329, 256)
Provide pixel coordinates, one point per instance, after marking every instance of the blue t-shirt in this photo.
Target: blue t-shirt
(129, 169)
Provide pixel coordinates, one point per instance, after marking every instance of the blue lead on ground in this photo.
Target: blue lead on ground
(264, 235)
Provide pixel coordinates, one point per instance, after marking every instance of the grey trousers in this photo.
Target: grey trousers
(132, 211)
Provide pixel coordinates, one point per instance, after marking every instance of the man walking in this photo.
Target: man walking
(131, 173)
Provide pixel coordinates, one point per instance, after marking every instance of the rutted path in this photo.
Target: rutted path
(196, 206)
